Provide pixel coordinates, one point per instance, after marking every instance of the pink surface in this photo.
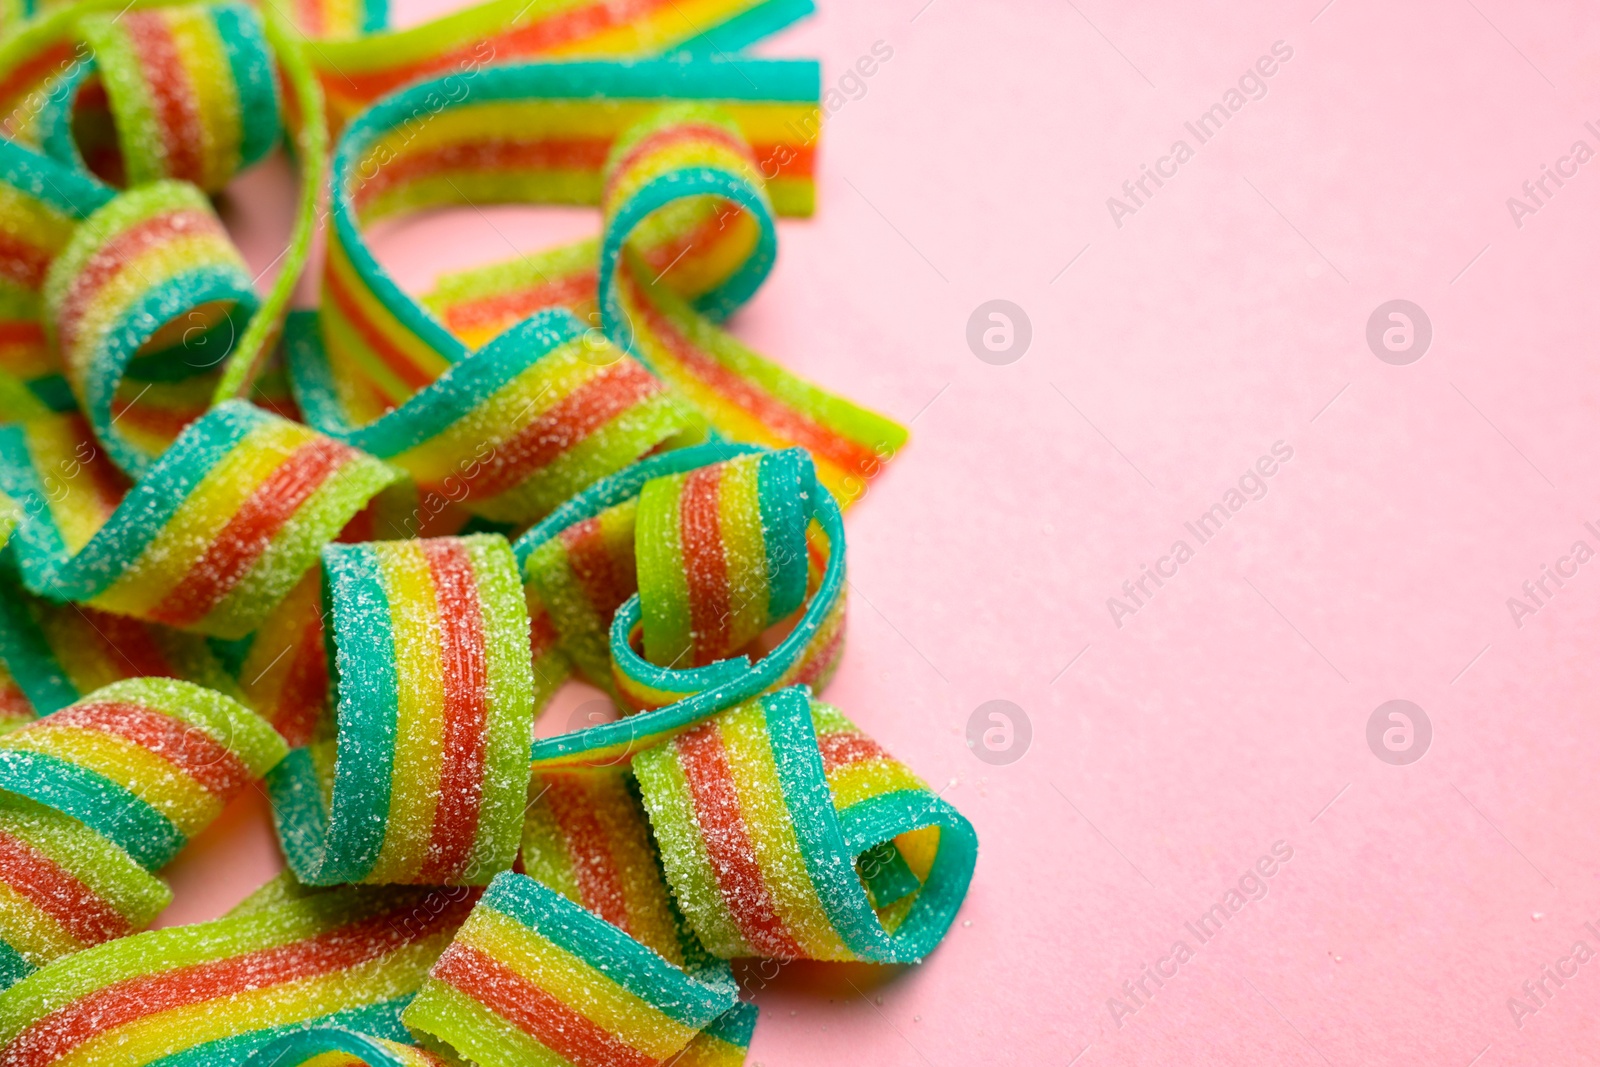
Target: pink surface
(1225, 314)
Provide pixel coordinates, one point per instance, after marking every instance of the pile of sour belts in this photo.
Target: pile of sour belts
(347, 556)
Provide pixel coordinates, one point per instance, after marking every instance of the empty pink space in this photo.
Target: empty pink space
(1289, 413)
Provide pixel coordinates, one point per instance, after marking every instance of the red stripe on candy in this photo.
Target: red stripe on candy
(721, 823)
(58, 893)
(671, 135)
(533, 1011)
(705, 565)
(489, 156)
(589, 850)
(465, 670)
(606, 580)
(612, 391)
(250, 531)
(847, 747)
(404, 367)
(121, 1003)
(518, 304)
(217, 769)
(176, 108)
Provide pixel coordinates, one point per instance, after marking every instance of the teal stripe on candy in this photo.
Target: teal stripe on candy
(608, 950)
(28, 656)
(149, 505)
(455, 395)
(748, 27)
(379, 1020)
(251, 64)
(75, 193)
(783, 524)
(367, 694)
(810, 805)
(53, 391)
(96, 801)
(13, 968)
(164, 302)
(661, 80)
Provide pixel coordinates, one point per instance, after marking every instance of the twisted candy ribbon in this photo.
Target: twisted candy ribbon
(533, 978)
(103, 791)
(545, 133)
(787, 833)
(688, 576)
(215, 534)
(430, 771)
(212, 994)
(178, 90)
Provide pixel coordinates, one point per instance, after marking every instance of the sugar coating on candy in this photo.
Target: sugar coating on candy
(210, 539)
(581, 576)
(191, 90)
(63, 888)
(338, 1047)
(533, 978)
(434, 712)
(760, 815)
(721, 556)
(151, 274)
(508, 432)
(222, 989)
(147, 762)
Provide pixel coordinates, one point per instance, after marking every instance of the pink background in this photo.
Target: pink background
(1230, 712)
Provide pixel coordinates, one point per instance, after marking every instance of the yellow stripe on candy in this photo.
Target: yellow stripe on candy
(36, 935)
(204, 60)
(219, 495)
(869, 778)
(767, 822)
(575, 983)
(185, 802)
(419, 732)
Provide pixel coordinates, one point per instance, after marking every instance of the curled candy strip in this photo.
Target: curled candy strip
(63, 888)
(148, 763)
(688, 198)
(150, 278)
(212, 994)
(787, 833)
(429, 773)
(672, 699)
(210, 539)
(533, 978)
(190, 89)
(516, 428)
(59, 653)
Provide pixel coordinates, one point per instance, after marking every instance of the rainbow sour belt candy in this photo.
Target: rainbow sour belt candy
(210, 995)
(103, 791)
(429, 776)
(210, 539)
(533, 978)
(181, 89)
(787, 833)
(516, 428)
(146, 762)
(688, 197)
(578, 588)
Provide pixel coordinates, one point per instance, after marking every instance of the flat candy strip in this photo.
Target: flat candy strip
(213, 993)
(190, 88)
(533, 978)
(148, 762)
(151, 278)
(762, 816)
(433, 686)
(532, 133)
(512, 431)
(356, 72)
(210, 539)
